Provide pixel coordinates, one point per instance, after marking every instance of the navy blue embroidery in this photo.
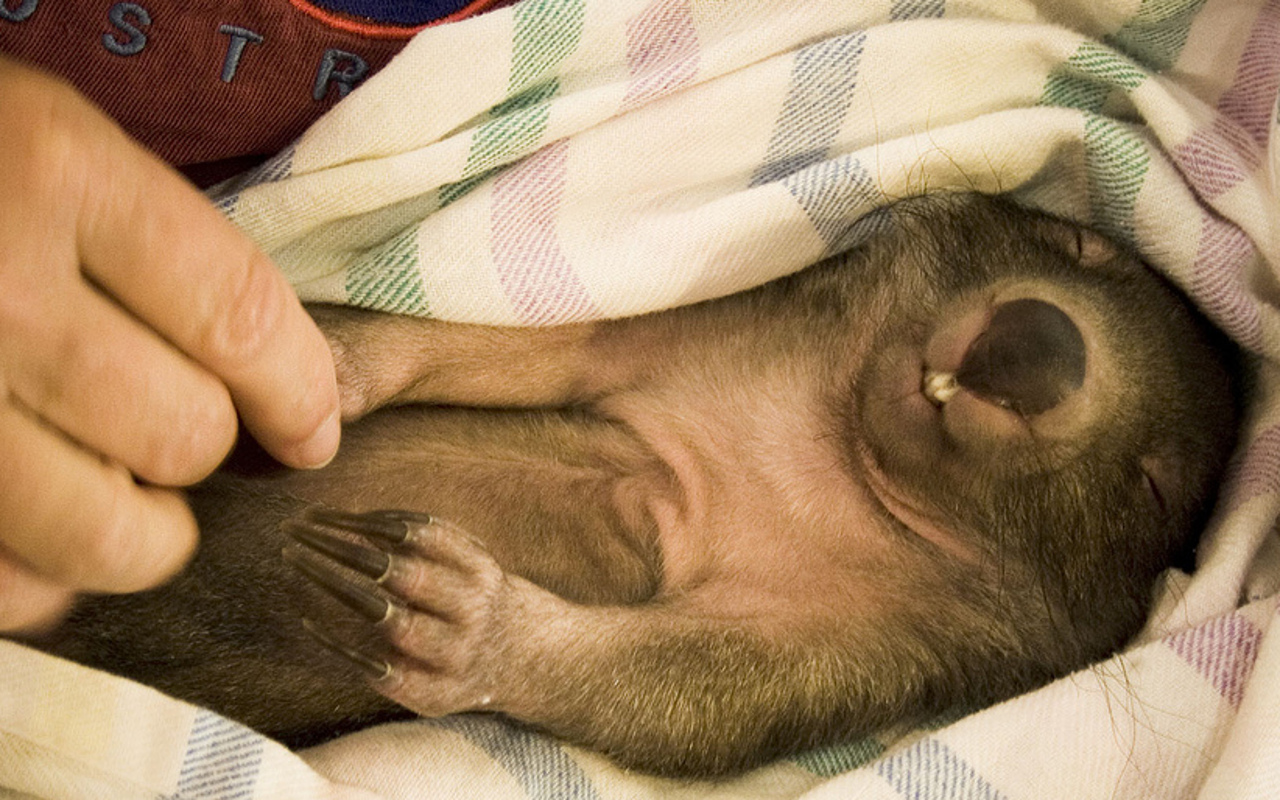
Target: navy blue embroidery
(24, 9)
(341, 69)
(124, 16)
(235, 48)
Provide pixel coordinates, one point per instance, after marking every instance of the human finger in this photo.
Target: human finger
(79, 521)
(29, 603)
(159, 248)
(181, 267)
(109, 383)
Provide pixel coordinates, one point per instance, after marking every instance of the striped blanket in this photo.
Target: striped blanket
(563, 160)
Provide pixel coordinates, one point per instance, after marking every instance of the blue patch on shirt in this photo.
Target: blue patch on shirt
(396, 12)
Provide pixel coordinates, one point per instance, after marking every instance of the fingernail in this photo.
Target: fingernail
(320, 449)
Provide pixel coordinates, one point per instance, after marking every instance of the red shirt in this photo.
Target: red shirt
(212, 86)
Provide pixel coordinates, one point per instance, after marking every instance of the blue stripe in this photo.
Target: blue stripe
(227, 205)
(277, 168)
(929, 770)
(823, 78)
(837, 196)
(827, 762)
(222, 759)
(536, 761)
(917, 9)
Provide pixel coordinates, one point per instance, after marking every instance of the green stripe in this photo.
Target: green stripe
(546, 32)
(1156, 35)
(1088, 78)
(453, 191)
(1070, 91)
(516, 127)
(388, 278)
(1116, 161)
(1107, 66)
(1116, 158)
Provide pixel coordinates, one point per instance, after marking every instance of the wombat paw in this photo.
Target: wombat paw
(437, 602)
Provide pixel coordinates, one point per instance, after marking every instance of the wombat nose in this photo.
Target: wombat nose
(1029, 359)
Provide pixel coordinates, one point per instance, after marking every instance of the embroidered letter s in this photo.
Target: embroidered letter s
(127, 17)
(24, 9)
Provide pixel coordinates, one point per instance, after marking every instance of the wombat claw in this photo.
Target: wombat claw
(375, 668)
(388, 526)
(368, 561)
(367, 604)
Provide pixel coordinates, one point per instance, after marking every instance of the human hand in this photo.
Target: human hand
(134, 322)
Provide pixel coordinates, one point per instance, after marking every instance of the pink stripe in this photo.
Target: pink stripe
(532, 267)
(1223, 651)
(1218, 158)
(662, 51)
(1251, 98)
(1232, 148)
(1218, 280)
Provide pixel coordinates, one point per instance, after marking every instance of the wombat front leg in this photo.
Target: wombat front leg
(387, 359)
(667, 686)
